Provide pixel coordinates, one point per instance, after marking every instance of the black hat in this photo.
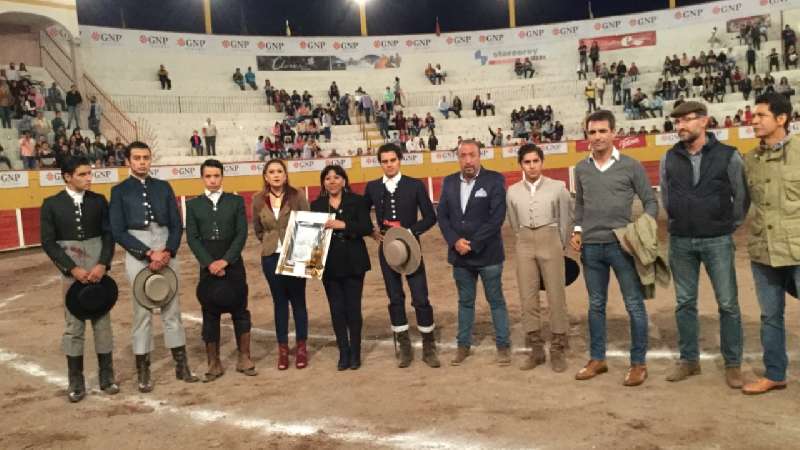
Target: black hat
(571, 272)
(92, 300)
(221, 292)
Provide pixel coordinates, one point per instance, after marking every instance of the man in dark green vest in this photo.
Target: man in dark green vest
(216, 231)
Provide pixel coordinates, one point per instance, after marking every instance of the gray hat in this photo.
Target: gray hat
(155, 289)
(401, 250)
(688, 108)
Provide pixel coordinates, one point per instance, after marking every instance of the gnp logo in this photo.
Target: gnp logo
(106, 37)
(608, 25)
(565, 31)
(725, 9)
(104, 175)
(236, 44)
(58, 32)
(773, 2)
(153, 40)
(11, 178)
(345, 45)
(418, 43)
(491, 38)
(459, 40)
(531, 34)
(386, 43)
(185, 172)
(312, 45)
(692, 13)
(273, 46)
(191, 43)
(642, 21)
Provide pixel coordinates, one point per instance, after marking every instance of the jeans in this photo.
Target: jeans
(5, 116)
(286, 290)
(770, 283)
(211, 145)
(445, 113)
(466, 281)
(718, 256)
(597, 260)
(29, 162)
(72, 114)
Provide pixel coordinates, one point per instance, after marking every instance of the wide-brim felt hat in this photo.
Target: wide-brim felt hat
(92, 300)
(571, 272)
(220, 292)
(155, 289)
(401, 250)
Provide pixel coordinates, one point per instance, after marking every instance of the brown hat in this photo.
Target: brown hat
(688, 108)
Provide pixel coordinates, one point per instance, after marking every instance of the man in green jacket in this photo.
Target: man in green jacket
(773, 178)
(216, 231)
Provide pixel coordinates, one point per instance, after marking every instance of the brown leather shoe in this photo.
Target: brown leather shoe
(761, 386)
(592, 369)
(503, 356)
(636, 375)
(461, 354)
(733, 377)
(683, 370)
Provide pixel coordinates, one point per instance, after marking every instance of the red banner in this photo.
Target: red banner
(735, 25)
(638, 141)
(622, 41)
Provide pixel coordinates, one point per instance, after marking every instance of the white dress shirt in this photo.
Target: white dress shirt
(214, 196)
(391, 183)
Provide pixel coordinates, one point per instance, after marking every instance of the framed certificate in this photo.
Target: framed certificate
(305, 245)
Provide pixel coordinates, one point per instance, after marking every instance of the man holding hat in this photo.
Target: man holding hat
(773, 238)
(76, 235)
(704, 192)
(540, 214)
(216, 231)
(146, 223)
(397, 200)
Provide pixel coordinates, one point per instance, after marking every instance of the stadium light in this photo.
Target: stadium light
(360, 2)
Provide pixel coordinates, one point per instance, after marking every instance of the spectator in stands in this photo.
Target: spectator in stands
(656, 104)
(97, 151)
(388, 99)
(668, 126)
(40, 127)
(196, 144)
(774, 60)
(57, 126)
(95, 114)
(414, 125)
(527, 68)
(748, 115)
(456, 106)
(497, 137)
(784, 89)
(27, 151)
(622, 69)
(715, 39)
(333, 93)
(430, 74)
(238, 78)
(327, 123)
(581, 72)
(430, 123)
(791, 57)
(444, 107)
(74, 101)
(750, 55)
(163, 77)
(788, 37)
(4, 159)
(25, 124)
(366, 106)
(712, 122)
(727, 122)
(626, 88)
(697, 85)
(758, 85)
(440, 74)
(590, 93)
(382, 121)
(413, 145)
(269, 92)
(11, 73)
(518, 67)
(54, 98)
(488, 104)
(594, 54)
(682, 85)
(582, 56)
(210, 135)
(600, 89)
(6, 103)
(633, 72)
(398, 92)
(306, 98)
(433, 141)
(477, 106)
(558, 131)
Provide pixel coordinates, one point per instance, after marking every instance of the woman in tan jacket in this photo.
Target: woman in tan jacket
(271, 210)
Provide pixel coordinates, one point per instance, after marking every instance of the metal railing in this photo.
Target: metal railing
(185, 104)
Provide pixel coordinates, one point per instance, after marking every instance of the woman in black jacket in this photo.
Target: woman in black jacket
(347, 261)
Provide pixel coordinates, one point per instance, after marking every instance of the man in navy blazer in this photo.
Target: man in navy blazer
(472, 208)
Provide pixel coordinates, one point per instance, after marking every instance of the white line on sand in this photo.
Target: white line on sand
(328, 428)
(611, 353)
(7, 301)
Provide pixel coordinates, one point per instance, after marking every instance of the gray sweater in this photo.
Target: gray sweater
(603, 200)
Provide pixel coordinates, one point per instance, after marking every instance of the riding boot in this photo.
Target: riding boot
(182, 371)
(105, 364)
(143, 373)
(429, 350)
(77, 384)
(405, 354)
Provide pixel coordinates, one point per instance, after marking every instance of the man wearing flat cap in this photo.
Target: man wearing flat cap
(540, 214)
(216, 231)
(76, 235)
(146, 223)
(398, 199)
(704, 192)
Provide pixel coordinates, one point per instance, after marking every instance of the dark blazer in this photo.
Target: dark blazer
(480, 223)
(347, 255)
(57, 223)
(127, 212)
(228, 225)
(410, 197)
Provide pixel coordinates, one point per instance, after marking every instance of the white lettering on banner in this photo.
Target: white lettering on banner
(746, 133)
(13, 179)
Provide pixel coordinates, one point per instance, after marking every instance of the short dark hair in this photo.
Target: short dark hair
(338, 170)
(601, 115)
(212, 163)
(70, 164)
(135, 145)
(778, 104)
(387, 148)
(469, 142)
(529, 148)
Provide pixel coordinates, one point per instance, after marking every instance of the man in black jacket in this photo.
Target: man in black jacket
(76, 235)
(74, 101)
(397, 200)
(145, 222)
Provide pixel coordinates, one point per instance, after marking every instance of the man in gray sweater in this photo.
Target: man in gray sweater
(605, 184)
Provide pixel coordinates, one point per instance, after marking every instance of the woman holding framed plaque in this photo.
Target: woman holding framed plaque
(347, 260)
(271, 210)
